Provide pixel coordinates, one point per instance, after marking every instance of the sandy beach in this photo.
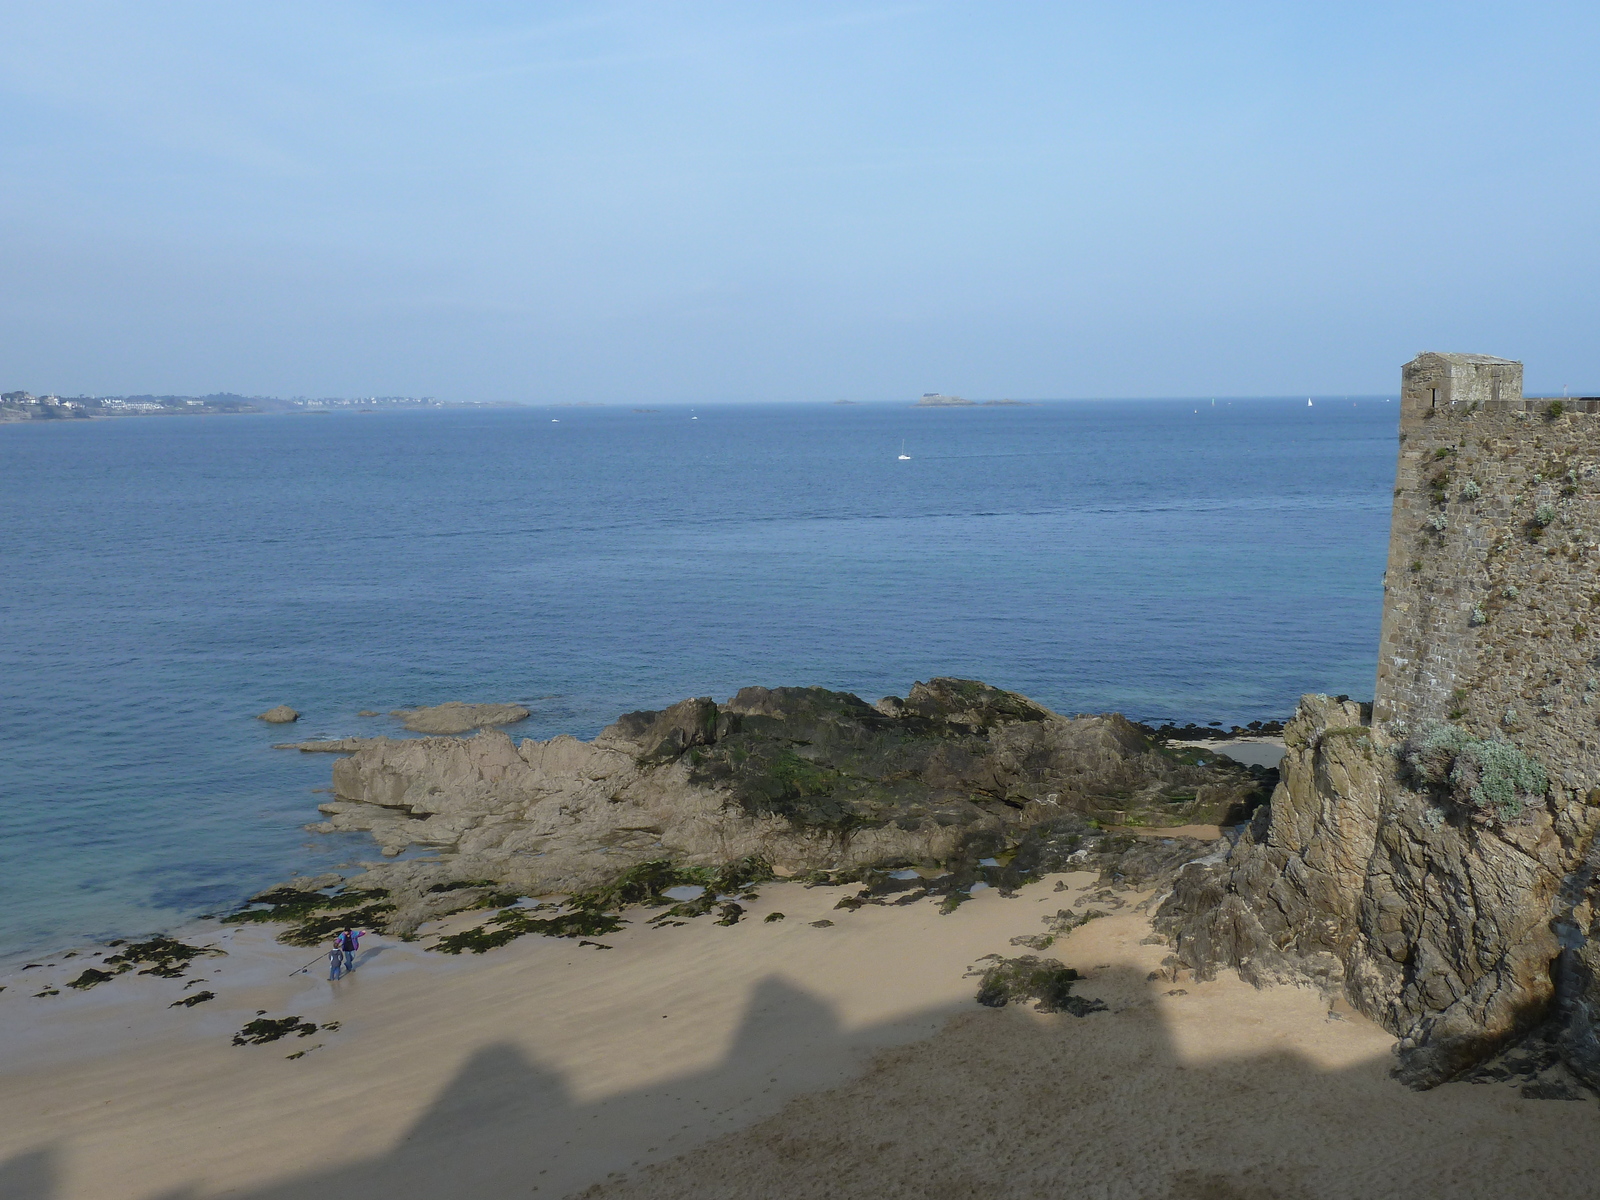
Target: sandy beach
(761, 1059)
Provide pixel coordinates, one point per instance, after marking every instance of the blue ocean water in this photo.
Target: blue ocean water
(166, 578)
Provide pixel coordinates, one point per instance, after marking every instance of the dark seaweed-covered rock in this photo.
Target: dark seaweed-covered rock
(644, 884)
(263, 1030)
(1058, 926)
(91, 977)
(291, 904)
(191, 1001)
(314, 915)
(592, 913)
(955, 754)
(1007, 980)
(167, 957)
(518, 922)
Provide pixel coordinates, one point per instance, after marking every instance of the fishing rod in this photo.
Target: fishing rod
(308, 966)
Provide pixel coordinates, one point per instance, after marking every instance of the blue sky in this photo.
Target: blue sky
(662, 201)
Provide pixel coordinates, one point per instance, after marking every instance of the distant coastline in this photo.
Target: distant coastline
(25, 406)
(20, 406)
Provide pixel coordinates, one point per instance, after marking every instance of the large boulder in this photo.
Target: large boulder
(1460, 928)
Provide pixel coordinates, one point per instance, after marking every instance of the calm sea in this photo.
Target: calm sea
(163, 579)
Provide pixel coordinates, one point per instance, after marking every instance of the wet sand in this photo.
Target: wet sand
(762, 1059)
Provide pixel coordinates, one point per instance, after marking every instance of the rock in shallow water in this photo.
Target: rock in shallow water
(454, 717)
(282, 715)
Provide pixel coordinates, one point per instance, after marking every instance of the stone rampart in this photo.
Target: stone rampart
(1491, 614)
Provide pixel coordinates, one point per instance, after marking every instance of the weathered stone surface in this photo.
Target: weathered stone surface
(453, 717)
(1494, 546)
(1436, 921)
(1458, 912)
(804, 778)
(280, 715)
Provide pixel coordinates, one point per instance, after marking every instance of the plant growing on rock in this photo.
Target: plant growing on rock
(1439, 522)
(1485, 775)
(1544, 514)
(1479, 617)
(1470, 490)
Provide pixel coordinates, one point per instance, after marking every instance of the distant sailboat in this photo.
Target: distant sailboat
(1308, 403)
(904, 457)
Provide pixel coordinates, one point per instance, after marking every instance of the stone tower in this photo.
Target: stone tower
(1431, 383)
(1491, 613)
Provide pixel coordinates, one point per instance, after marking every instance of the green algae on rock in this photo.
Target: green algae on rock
(1007, 980)
(313, 915)
(91, 977)
(513, 923)
(167, 958)
(263, 1030)
(593, 913)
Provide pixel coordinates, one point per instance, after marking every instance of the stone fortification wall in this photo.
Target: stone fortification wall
(1461, 913)
(1490, 615)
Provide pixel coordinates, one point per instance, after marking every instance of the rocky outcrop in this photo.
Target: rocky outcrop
(453, 717)
(1463, 930)
(803, 778)
(281, 715)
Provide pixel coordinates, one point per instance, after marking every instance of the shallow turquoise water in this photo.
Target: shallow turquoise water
(166, 578)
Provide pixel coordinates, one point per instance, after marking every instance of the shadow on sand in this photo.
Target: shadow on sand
(998, 1104)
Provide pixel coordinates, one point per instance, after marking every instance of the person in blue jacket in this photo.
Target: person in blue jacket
(342, 958)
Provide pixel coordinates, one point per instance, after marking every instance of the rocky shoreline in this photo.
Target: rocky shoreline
(803, 781)
(1357, 877)
(1360, 868)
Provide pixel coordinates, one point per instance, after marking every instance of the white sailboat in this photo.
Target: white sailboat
(904, 457)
